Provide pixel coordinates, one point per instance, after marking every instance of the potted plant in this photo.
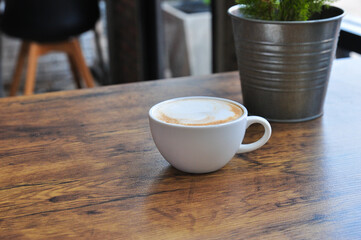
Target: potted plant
(285, 50)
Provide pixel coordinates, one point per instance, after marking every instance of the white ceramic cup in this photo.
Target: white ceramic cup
(203, 149)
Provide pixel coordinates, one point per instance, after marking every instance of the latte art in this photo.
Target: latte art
(197, 112)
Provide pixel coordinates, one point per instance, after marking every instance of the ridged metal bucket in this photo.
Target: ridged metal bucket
(285, 66)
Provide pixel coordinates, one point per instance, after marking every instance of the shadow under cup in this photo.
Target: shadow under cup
(207, 143)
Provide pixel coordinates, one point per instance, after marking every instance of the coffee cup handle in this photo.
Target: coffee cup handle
(267, 134)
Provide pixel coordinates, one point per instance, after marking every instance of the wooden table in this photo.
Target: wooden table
(82, 165)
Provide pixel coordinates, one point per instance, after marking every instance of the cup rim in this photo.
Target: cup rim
(244, 115)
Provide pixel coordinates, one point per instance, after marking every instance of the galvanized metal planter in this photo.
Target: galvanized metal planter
(285, 66)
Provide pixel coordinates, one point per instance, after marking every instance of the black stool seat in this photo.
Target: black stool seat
(49, 20)
(46, 26)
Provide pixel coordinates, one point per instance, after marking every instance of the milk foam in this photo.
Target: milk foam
(197, 111)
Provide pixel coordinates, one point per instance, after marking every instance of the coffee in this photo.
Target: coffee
(202, 134)
(197, 111)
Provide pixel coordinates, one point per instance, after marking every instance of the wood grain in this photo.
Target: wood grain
(82, 165)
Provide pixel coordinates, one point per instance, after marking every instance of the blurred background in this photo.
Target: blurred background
(147, 40)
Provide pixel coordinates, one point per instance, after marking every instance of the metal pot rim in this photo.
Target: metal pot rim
(234, 12)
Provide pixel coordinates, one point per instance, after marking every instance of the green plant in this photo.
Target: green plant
(282, 10)
(207, 2)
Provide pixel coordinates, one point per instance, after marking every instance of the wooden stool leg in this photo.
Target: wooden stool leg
(81, 64)
(19, 68)
(34, 52)
(103, 69)
(74, 71)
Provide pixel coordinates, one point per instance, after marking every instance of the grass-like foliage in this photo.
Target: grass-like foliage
(282, 10)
